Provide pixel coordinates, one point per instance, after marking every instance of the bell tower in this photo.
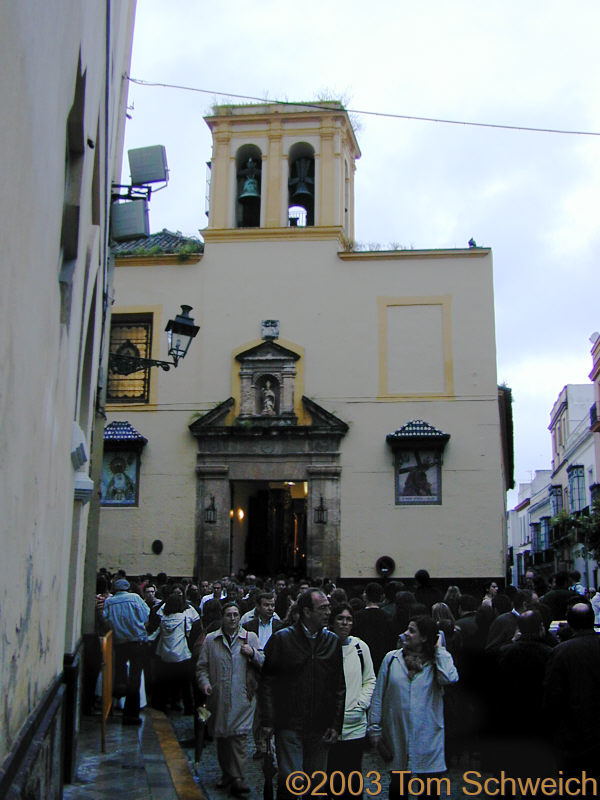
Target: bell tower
(279, 166)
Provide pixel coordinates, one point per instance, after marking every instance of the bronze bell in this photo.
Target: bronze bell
(300, 184)
(250, 192)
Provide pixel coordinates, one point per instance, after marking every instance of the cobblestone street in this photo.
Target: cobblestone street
(207, 772)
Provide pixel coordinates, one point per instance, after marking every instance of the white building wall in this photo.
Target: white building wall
(50, 346)
(331, 308)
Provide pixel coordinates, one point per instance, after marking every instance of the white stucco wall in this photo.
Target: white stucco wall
(47, 376)
(332, 308)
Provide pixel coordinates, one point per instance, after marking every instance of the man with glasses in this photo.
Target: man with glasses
(218, 593)
(264, 625)
(302, 691)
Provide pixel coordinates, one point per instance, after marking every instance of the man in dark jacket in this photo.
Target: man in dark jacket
(264, 625)
(302, 691)
(425, 591)
(374, 626)
(571, 694)
(504, 627)
(558, 597)
(522, 744)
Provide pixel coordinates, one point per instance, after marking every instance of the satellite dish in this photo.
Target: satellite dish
(148, 165)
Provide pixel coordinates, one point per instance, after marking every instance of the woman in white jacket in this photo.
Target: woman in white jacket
(407, 709)
(346, 755)
(174, 656)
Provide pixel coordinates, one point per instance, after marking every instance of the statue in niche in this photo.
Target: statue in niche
(269, 399)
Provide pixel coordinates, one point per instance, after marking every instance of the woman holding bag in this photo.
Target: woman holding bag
(406, 717)
(174, 665)
(226, 672)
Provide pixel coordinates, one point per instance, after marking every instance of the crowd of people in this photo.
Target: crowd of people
(425, 676)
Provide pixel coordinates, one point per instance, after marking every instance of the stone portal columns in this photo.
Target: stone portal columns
(213, 538)
(323, 539)
(287, 390)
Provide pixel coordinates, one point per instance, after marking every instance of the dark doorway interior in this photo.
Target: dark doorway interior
(276, 540)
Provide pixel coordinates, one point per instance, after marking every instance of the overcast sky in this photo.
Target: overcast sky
(534, 198)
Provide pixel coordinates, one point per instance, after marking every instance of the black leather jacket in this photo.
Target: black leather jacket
(302, 683)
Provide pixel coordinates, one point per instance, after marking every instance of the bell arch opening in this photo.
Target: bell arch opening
(301, 184)
(248, 163)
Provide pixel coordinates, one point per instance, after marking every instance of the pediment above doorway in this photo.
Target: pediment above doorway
(213, 423)
(267, 351)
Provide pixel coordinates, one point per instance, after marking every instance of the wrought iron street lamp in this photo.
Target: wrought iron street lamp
(180, 332)
(210, 512)
(320, 515)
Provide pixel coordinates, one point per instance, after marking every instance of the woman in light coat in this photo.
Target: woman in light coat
(407, 708)
(225, 673)
(346, 754)
(174, 666)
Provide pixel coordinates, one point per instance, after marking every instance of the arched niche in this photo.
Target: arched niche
(267, 396)
(301, 183)
(248, 170)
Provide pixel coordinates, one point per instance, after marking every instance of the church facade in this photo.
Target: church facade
(337, 405)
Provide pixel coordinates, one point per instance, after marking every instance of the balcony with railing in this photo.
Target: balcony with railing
(594, 421)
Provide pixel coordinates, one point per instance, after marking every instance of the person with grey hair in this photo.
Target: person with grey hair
(127, 614)
(302, 690)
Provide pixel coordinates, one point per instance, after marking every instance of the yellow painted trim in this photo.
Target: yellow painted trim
(274, 177)
(220, 177)
(157, 329)
(316, 232)
(303, 418)
(288, 136)
(386, 255)
(157, 260)
(184, 784)
(289, 116)
(445, 301)
(327, 211)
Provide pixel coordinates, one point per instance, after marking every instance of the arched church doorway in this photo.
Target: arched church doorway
(268, 526)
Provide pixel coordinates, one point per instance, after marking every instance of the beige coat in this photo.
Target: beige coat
(224, 668)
